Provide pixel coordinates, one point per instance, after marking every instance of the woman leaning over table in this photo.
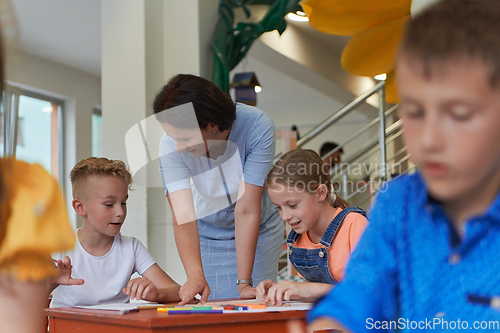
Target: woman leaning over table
(214, 158)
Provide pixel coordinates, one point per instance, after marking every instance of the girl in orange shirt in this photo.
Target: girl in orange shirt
(325, 230)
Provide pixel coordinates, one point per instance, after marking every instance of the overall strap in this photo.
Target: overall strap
(330, 232)
(292, 237)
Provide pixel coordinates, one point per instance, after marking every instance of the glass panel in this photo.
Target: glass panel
(9, 112)
(2, 126)
(34, 136)
(97, 133)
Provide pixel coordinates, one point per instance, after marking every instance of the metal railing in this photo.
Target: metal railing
(380, 141)
(339, 114)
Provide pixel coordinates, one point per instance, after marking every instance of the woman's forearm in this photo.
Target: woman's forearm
(247, 223)
(247, 233)
(187, 238)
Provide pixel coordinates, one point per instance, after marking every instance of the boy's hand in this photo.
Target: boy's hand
(263, 288)
(64, 268)
(285, 290)
(142, 288)
(246, 291)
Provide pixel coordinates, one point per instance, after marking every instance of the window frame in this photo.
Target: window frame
(14, 92)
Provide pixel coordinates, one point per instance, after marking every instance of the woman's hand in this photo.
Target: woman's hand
(141, 288)
(193, 287)
(246, 291)
(263, 288)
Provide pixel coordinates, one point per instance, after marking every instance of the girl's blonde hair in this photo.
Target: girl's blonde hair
(304, 170)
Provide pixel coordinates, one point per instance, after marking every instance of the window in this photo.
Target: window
(34, 121)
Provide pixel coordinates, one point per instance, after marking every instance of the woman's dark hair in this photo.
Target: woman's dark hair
(211, 105)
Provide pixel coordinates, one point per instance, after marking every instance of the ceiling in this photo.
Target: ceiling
(69, 32)
(66, 32)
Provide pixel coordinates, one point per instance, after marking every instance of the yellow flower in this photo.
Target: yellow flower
(376, 27)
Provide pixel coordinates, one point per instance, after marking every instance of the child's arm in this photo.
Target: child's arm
(154, 286)
(64, 277)
(326, 323)
(319, 325)
(288, 290)
(21, 305)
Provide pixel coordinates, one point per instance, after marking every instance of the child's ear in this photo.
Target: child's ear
(79, 207)
(322, 192)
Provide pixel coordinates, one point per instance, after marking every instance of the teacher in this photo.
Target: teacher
(214, 157)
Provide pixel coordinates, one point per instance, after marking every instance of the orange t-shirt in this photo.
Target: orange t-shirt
(345, 241)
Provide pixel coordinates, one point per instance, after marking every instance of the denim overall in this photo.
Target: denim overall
(312, 264)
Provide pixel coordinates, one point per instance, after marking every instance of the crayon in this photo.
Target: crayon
(172, 309)
(248, 305)
(179, 311)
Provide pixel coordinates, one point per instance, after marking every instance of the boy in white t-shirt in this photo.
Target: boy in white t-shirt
(98, 269)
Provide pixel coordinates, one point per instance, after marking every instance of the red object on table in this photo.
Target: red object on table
(66, 320)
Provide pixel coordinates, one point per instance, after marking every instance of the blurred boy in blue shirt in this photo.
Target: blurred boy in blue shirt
(429, 260)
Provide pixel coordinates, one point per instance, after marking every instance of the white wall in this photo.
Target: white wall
(289, 101)
(79, 90)
(143, 45)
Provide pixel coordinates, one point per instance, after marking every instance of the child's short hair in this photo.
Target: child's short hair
(455, 29)
(304, 170)
(97, 166)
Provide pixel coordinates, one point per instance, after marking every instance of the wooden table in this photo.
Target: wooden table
(68, 320)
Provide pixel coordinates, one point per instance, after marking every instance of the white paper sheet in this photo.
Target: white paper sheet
(121, 306)
(290, 306)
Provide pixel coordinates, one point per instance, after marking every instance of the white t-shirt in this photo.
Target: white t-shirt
(105, 276)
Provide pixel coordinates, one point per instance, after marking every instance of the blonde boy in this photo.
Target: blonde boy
(429, 260)
(99, 268)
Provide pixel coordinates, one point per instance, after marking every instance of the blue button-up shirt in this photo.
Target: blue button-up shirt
(410, 270)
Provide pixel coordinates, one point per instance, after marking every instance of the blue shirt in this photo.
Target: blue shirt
(249, 156)
(411, 271)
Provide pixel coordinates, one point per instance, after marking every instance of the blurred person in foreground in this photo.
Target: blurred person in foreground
(33, 224)
(429, 259)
